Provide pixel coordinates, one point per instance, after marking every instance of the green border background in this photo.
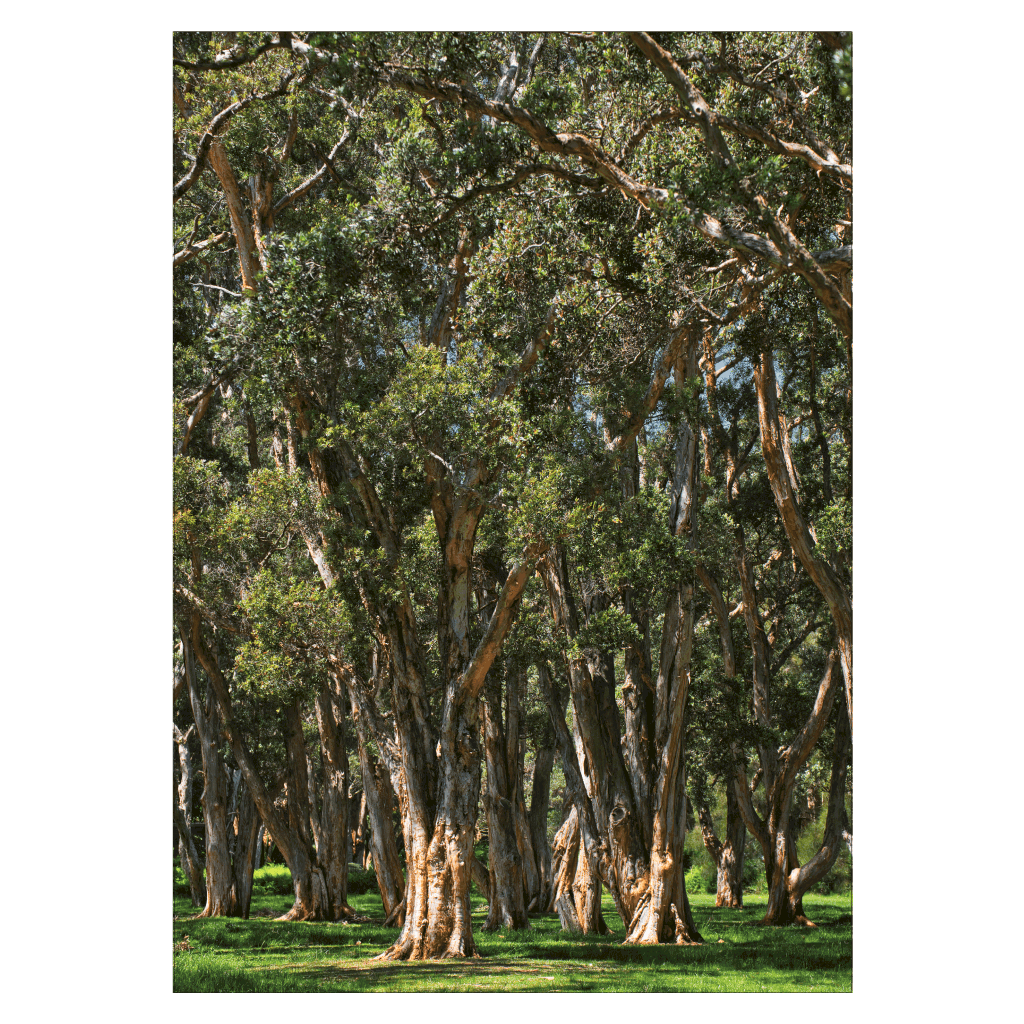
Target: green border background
(88, 371)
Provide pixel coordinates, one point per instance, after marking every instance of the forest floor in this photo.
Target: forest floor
(264, 955)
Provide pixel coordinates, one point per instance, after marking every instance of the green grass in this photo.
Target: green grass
(264, 955)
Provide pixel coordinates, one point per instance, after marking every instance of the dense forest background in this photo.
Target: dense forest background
(513, 372)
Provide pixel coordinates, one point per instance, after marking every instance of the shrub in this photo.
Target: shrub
(276, 879)
(700, 879)
(273, 879)
(839, 879)
(181, 886)
(360, 882)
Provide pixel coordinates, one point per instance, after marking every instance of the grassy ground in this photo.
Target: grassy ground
(264, 955)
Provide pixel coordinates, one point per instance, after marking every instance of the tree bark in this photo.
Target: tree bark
(784, 491)
(507, 904)
(334, 849)
(221, 897)
(311, 901)
(188, 855)
(577, 849)
(641, 844)
(727, 854)
(379, 795)
(312, 893)
(540, 800)
(576, 886)
(773, 832)
(244, 841)
(785, 899)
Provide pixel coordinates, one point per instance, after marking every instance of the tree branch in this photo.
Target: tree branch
(215, 127)
(194, 249)
(235, 58)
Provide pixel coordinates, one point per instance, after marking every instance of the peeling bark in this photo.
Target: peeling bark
(221, 898)
(785, 896)
(334, 848)
(311, 900)
(728, 853)
(540, 799)
(380, 799)
(188, 856)
(824, 576)
(507, 903)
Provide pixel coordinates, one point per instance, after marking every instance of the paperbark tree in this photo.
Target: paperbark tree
(784, 490)
(540, 801)
(379, 795)
(641, 842)
(787, 881)
(230, 827)
(508, 888)
(727, 853)
(188, 856)
(292, 832)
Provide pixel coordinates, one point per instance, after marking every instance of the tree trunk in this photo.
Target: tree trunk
(662, 912)
(507, 904)
(784, 490)
(244, 841)
(358, 828)
(576, 853)
(439, 835)
(221, 898)
(515, 751)
(576, 886)
(729, 891)
(540, 799)
(379, 795)
(188, 855)
(639, 854)
(779, 781)
(439, 856)
(727, 855)
(333, 851)
(785, 904)
(312, 894)
(598, 743)
(311, 899)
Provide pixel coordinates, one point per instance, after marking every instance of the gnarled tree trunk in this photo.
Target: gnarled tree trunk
(784, 905)
(221, 898)
(188, 855)
(728, 853)
(641, 843)
(244, 841)
(576, 886)
(379, 795)
(788, 887)
(507, 904)
(784, 490)
(334, 844)
(577, 851)
(311, 897)
(540, 800)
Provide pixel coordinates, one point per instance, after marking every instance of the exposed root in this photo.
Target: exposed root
(406, 951)
(397, 916)
(794, 919)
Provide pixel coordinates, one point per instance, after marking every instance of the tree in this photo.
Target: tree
(417, 289)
